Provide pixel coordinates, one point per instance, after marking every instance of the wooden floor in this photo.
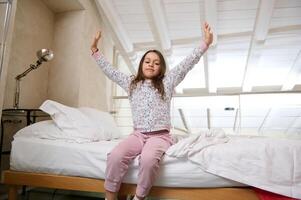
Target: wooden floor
(16, 179)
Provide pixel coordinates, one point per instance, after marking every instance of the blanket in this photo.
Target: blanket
(271, 164)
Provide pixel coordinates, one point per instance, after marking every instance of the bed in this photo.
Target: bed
(70, 152)
(50, 171)
(16, 179)
(63, 165)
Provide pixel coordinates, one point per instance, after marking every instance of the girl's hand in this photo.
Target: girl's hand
(95, 42)
(208, 34)
(97, 35)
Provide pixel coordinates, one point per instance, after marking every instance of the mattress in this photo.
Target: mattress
(89, 160)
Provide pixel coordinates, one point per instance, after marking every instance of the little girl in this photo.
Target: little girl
(150, 93)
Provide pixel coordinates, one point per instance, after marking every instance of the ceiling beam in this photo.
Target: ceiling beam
(264, 19)
(293, 75)
(221, 37)
(116, 24)
(210, 10)
(252, 62)
(159, 28)
(261, 27)
(211, 58)
(206, 72)
(160, 23)
(283, 29)
(118, 32)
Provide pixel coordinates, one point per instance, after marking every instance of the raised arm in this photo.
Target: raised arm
(178, 73)
(111, 72)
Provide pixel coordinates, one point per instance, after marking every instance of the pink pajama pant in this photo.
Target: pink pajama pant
(150, 147)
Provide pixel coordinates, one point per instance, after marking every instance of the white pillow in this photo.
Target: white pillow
(65, 117)
(81, 123)
(39, 129)
(71, 121)
(102, 120)
(48, 130)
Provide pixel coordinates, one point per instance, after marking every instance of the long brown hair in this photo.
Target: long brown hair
(157, 81)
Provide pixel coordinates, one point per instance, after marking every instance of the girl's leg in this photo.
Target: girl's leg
(111, 195)
(152, 152)
(118, 161)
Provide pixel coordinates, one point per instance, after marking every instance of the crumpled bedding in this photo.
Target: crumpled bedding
(271, 164)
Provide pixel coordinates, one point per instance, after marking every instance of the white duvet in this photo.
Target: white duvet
(267, 163)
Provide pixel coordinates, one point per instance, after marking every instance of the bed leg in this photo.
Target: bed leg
(12, 192)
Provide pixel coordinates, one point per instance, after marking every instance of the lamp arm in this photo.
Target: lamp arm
(17, 94)
(18, 79)
(32, 67)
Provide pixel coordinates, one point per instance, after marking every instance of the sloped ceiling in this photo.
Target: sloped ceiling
(256, 48)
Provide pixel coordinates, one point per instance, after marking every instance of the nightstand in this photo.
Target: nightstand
(19, 118)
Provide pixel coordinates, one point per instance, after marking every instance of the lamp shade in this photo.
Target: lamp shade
(44, 55)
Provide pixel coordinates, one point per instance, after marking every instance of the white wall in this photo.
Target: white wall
(33, 30)
(72, 77)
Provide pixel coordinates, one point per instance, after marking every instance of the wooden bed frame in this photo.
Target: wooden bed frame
(15, 180)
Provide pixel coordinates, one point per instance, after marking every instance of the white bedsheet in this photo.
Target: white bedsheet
(89, 160)
(267, 163)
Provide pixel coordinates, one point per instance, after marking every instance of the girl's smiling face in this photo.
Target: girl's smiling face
(151, 65)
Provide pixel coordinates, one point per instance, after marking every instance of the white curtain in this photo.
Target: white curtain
(5, 9)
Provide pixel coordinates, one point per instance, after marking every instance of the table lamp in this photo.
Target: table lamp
(43, 55)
